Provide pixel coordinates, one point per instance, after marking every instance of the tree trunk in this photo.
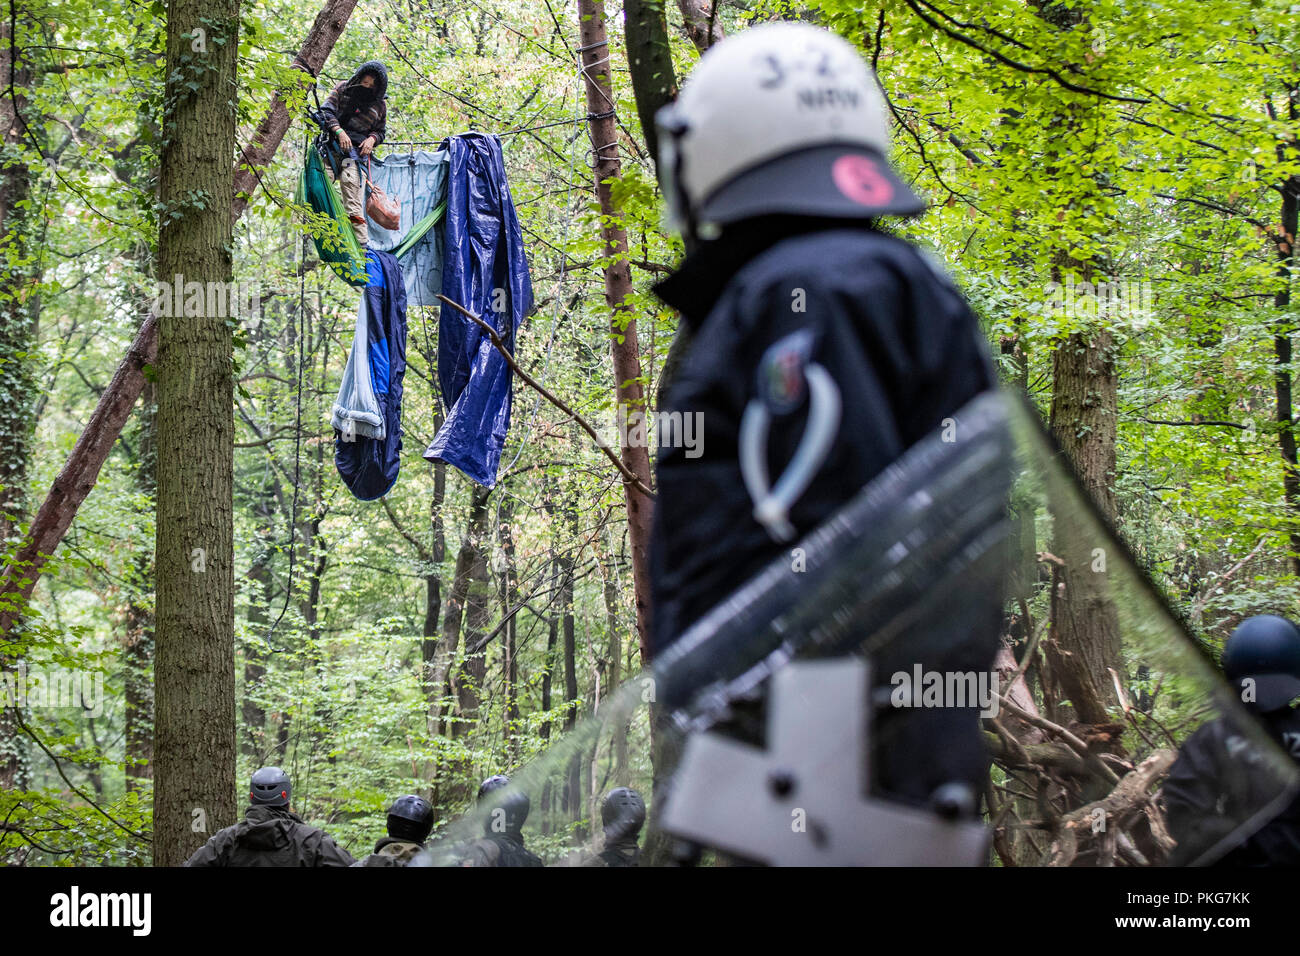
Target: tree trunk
(702, 26)
(478, 610)
(195, 687)
(650, 64)
(19, 308)
(1084, 642)
(548, 665)
(1085, 639)
(509, 590)
(618, 286)
(259, 617)
(433, 558)
(18, 318)
(138, 654)
(444, 654)
(1284, 329)
(572, 788)
(609, 574)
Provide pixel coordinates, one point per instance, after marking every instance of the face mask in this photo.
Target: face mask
(364, 94)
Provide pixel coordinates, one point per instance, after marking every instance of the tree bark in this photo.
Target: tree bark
(629, 389)
(1284, 329)
(1085, 639)
(702, 26)
(194, 791)
(19, 308)
(18, 318)
(650, 64)
(138, 653)
(259, 617)
(609, 583)
(453, 613)
(572, 801)
(433, 585)
(1084, 643)
(509, 593)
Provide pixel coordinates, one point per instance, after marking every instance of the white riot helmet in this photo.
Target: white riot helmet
(782, 118)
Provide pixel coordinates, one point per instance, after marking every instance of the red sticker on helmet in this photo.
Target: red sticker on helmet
(859, 179)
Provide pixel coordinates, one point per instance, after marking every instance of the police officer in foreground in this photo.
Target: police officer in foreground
(1220, 778)
(410, 820)
(270, 833)
(503, 840)
(622, 814)
(822, 348)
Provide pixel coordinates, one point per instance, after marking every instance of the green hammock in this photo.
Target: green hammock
(337, 245)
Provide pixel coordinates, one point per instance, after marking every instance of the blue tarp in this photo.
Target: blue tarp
(418, 182)
(368, 458)
(483, 252)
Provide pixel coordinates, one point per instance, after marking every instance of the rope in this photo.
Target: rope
(299, 326)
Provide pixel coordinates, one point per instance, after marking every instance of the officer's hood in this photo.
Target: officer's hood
(268, 828)
(702, 276)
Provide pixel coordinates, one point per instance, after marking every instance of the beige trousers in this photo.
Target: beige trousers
(354, 199)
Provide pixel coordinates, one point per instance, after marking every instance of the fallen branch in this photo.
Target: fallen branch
(628, 477)
(1074, 743)
(1128, 795)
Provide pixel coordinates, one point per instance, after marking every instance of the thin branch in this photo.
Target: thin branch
(628, 476)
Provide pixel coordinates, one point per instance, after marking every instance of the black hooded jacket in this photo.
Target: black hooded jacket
(500, 849)
(901, 344)
(1218, 782)
(360, 112)
(270, 836)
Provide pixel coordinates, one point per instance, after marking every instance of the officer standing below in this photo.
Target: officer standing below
(270, 833)
(622, 814)
(1219, 780)
(822, 349)
(410, 820)
(503, 839)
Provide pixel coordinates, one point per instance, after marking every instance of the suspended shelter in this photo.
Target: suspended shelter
(338, 246)
(459, 236)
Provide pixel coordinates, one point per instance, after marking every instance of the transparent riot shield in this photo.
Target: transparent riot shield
(946, 672)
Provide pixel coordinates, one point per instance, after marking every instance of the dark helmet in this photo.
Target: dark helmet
(410, 818)
(1266, 650)
(269, 787)
(622, 813)
(513, 804)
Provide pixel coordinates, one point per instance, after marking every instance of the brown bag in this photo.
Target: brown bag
(384, 211)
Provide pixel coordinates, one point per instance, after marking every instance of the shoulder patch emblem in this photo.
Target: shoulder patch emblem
(782, 383)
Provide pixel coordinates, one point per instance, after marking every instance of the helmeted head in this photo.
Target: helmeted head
(410, 818)
(269, 787)
(1262, 661)
(781, 118)
(507, 808)
(622, 814)
(379, 86)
